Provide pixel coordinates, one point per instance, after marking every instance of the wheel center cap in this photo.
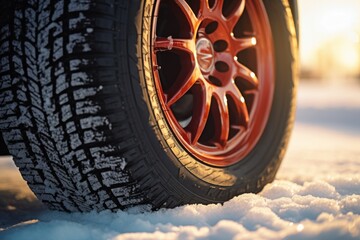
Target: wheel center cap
(205, 54)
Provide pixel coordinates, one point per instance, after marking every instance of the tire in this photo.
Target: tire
(84, 110)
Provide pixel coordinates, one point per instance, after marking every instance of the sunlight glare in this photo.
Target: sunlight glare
(330, 32)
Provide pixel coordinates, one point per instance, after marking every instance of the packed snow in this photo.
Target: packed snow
(316, 194)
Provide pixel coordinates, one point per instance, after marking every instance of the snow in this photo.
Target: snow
(316, 194)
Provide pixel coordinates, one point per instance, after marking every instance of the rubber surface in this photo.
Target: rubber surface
(58, 73)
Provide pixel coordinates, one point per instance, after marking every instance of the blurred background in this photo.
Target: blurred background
(330, 40)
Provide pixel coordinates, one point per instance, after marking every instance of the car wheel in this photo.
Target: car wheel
(112, 104)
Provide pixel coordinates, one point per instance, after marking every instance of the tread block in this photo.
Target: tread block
(56, 58)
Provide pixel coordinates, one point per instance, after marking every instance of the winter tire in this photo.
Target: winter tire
(114, 104)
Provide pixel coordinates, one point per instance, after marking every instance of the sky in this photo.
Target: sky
(329, 37)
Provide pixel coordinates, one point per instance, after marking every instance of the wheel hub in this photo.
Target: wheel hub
(205, 54)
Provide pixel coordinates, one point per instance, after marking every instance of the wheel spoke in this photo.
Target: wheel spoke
(246, 74)
(221, 76)
(204, 7)
(235, 16)
(251, 91)
(224, 122)
(240, 105)
(218, 6)
(167, 44)
(179, 88)
(189, 14)
(244, 43)
(201, 113)
(238, 127)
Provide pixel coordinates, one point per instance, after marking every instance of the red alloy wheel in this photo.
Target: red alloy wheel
(213, 65)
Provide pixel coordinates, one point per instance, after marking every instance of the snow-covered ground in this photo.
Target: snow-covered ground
(316, 194)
